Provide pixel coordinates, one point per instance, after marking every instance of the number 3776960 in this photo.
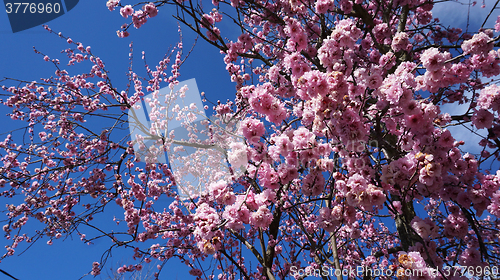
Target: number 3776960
(33, 8)
(478, 271)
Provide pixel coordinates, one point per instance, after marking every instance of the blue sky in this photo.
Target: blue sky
(92, 24)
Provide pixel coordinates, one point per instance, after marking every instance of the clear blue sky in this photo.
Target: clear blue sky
(91, 23)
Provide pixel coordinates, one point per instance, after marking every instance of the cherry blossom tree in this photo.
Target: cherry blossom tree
(340, 158)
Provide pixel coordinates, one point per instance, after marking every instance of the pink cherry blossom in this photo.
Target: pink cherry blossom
(341, 146)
